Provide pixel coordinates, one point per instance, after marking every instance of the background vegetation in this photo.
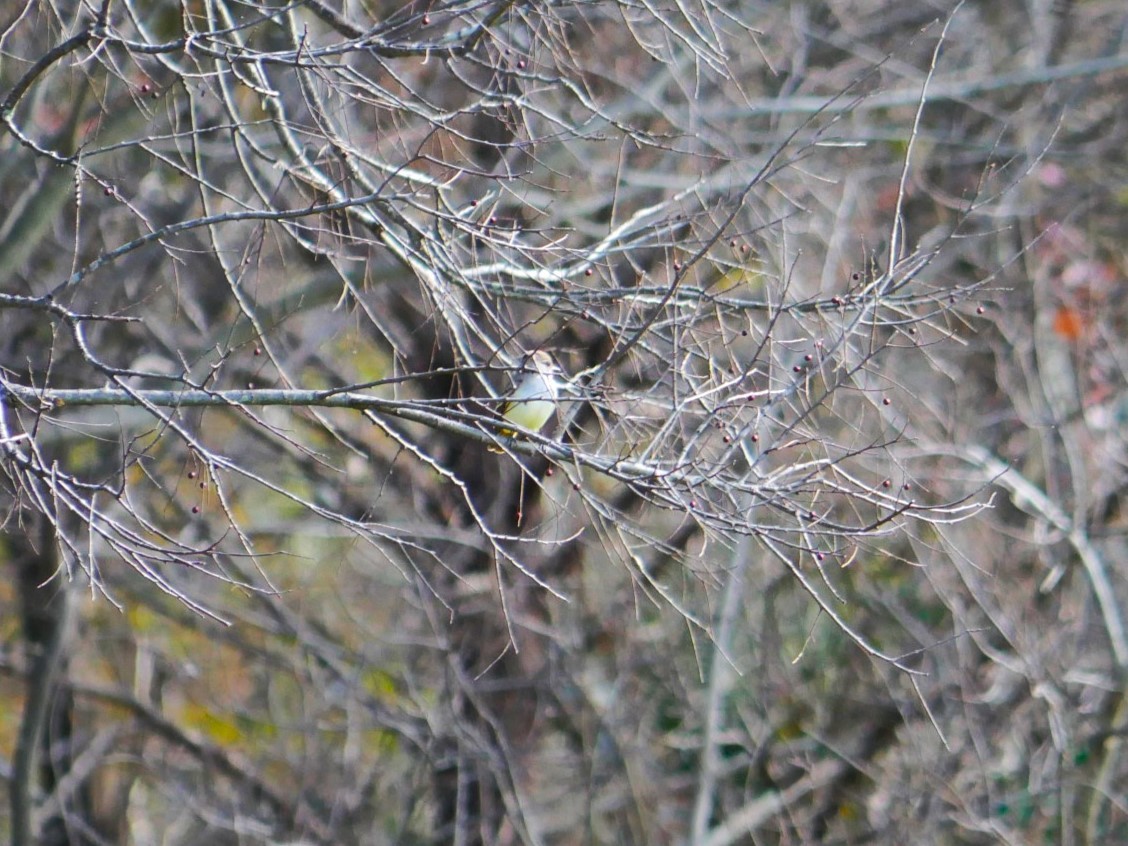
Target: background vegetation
(826, 543)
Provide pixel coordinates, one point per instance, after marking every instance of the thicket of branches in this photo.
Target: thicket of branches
(820, 547)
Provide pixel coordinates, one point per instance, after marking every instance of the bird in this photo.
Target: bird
(534, 399)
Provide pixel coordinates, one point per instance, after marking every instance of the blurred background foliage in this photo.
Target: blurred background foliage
(833, 550)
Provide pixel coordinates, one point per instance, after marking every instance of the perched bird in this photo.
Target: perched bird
(534, 399)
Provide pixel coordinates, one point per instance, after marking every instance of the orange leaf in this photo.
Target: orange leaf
(1068, 323)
